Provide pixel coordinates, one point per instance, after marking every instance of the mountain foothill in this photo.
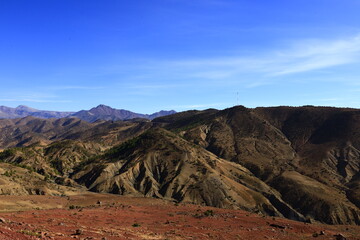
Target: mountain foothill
(301, 163)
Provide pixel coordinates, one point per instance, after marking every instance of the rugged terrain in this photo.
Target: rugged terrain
(299, 163)
(104, 216)
(30, 131)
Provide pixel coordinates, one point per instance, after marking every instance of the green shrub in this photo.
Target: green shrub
(209, 213)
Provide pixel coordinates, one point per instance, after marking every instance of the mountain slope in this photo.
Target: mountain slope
(103, 112)
(163, 165)
(17, 180)
(28, 131)
(300, 163)
(289, 149)
(24, 111)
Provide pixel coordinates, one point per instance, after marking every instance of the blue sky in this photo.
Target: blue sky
(148, 55)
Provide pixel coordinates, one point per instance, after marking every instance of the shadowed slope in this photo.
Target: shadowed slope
(317, 144)
(161, 164)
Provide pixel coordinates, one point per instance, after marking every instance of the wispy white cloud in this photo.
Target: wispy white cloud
(74, 87)
(312, 55)
(43, 100)
(7, 100)
(301, 56)
(32, 97)
(329, 99)
(153, 86)
(33, 100)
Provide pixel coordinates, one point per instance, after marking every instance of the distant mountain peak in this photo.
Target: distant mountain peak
(26, 108)
(22, 106)
(24, 111)
(103, 106)
(104, 112)
(100, 112)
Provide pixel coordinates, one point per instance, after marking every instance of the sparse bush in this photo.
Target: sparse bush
(118, 150)
(6, 153)
(30, 233)
(9, 173)
(74, 207)
(209, 213)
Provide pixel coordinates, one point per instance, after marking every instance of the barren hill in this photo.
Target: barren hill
(162, 164)
(29, 130)
(309, 154)
(300, 163)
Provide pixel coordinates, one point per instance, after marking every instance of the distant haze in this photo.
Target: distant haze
(100, 112)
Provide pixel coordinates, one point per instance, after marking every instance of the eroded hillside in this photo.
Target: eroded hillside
(300, 163)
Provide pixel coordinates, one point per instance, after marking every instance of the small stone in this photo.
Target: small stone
(43, 234)
(322, 232)
(339, 237)
(277, 226)
(2, 220)
(78, 232)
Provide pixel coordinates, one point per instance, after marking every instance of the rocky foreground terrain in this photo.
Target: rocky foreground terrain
(298, 163)
(99, 216)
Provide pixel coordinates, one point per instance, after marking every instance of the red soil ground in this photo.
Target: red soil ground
(119, 217)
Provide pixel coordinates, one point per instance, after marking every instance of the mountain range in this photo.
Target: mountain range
(101, 112)
(302, 163)
(24, 111)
